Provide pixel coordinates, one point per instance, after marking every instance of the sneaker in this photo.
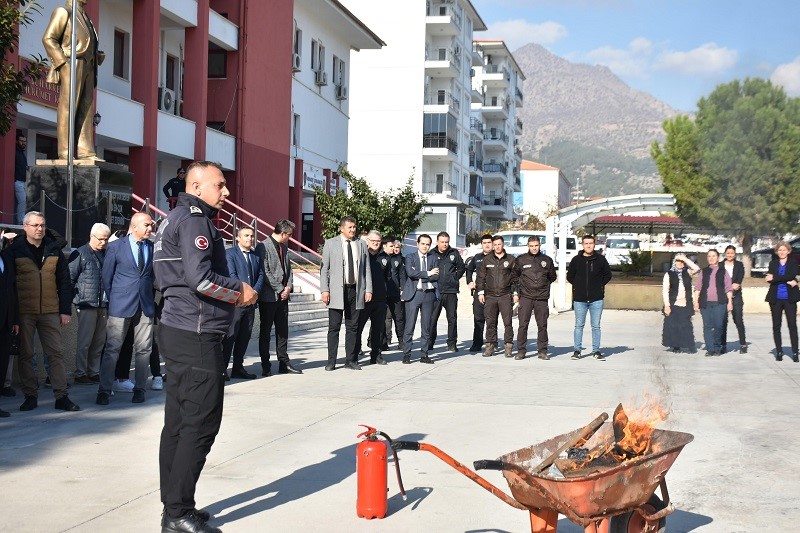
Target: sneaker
(743, 348)
(576, 355)
(125, 385)
(83, 380)
(597, 355)
(157, 384)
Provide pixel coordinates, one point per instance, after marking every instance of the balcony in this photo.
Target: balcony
(476, 126)
(439, 148)
(518, 129)
(127, 124)
(475, 163)
(477, 55)
(175, 135)
(443, 98)
(440, 186)
(222, 31)
(518, 153)
(495, 204)
(443, 63)
(221, 147)
(496, 76)
(495, 107)
(495, 139)
(517, 182)
(495, 168)
(519, 96)
(443, 19)
(474, 201)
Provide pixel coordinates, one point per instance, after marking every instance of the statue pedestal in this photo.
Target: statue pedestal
(94, 184)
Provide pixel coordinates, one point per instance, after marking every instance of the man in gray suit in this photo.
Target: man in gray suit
(273, 299)
(346, 285)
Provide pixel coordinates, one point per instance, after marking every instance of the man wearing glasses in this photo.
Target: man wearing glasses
(45, 307)
(175, 186)
(91, 302)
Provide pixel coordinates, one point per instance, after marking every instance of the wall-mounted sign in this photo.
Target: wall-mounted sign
(40, 92)
(334, 184)
(312, 177)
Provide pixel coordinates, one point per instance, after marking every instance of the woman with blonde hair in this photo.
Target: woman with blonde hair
(783, 295)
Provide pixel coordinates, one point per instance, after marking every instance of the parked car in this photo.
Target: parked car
(761, 258)
(516, 243)
(618, 247)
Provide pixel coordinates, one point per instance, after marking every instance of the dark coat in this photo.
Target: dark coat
(239, 269)
(588, 276)
(9, 305)
(414, 274)
(451, 268)
(534, 273)
(86, 272)
(128, 289)
(791, 274)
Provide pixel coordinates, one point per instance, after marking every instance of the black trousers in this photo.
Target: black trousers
(422, 302)
(498, 305)
(5, 352)
(395, 311)
(738, 319)
(448, 302)
(790, 309)
(479, 323)
(350, 316)
(192, 412)
(375, 312)
(238, 337)
(541, 311)
(277, 314)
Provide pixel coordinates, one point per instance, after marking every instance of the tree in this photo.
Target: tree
(736, 166)
(13, 81)
(395, 212)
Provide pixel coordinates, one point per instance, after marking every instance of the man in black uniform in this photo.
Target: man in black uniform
(395, 307)
(472, 265)
(375, 309)
(495, 284)
(535, 272)
(199, 299)
(451, 268)
(174, 187)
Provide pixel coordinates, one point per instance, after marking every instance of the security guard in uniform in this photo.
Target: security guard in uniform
(473, 264)
(451, 268)
(395, 307)
(495, 284)
(199, 299)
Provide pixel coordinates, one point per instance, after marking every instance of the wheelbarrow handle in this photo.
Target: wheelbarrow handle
(489, 464)
(405, 445)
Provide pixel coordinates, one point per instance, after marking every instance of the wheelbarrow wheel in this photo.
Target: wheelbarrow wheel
(633, 522)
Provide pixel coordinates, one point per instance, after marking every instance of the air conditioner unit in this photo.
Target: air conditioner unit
(341, 92)
(166, 100)
(295, 62)
(321, 77)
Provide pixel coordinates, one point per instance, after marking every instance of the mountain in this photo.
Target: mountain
(586, 121)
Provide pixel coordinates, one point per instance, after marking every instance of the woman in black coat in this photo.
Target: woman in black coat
(735, 270)
(783, 295)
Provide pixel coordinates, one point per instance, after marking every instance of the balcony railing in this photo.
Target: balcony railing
(519, 124)
(439, 187)
(495, 101)
(445, 54)
(519, 94)
(474, 161)
(444, 10)
(474, 201)
(495, 136)
(444, 98)
(437, 141)
(494, 167)
(498, 69)
(495, 200)
(518, 153)
(476, 124)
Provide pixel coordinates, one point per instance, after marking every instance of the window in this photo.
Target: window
(169, 74)
(317, 56)
(217, 61)
(115, 157)
(297, 45)
(121, 40)
(295, 130)
(338, 72)
(47, 146)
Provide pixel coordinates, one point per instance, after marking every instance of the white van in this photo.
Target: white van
(516, 243)
(618, 247)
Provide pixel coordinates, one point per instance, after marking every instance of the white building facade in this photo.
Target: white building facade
(410, 107)
(544, 188)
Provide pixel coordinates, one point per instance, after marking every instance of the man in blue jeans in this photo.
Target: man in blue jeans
(588, 272)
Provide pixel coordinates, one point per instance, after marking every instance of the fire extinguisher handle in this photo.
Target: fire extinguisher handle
(489, 464)
(405, 445)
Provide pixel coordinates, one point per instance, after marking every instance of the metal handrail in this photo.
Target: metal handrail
(147, 206)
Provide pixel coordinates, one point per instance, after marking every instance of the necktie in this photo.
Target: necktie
(351, 270)
(424, 268)
(252, 272)
(141, 257)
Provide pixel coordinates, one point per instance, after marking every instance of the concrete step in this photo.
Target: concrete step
(310, 314)
(300, 297)
(301, 325)
(305, 306)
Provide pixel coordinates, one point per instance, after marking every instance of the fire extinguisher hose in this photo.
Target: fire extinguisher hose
(396, 465)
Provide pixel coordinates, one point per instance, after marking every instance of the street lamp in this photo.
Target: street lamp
(97, 118)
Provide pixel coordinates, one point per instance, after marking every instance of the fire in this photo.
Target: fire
(632, 432)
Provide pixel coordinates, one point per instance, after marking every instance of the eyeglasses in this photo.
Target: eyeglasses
(149, 224)
(181, 172)
(101, 239)
(373, 240)
(37, 226)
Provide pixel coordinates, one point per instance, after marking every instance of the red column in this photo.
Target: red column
(7, 155)
(296, 195)
(144, 89)
(195, 78)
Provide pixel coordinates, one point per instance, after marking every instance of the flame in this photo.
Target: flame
(641, 421)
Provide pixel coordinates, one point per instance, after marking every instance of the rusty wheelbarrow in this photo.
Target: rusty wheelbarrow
(611, 499)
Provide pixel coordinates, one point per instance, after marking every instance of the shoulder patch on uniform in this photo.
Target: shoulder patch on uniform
(544, 264)
(383, 262)
(505, 264)
(194, 210)
(201, 242)
(452, 257)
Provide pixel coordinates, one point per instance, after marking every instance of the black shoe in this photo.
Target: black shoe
(266, 373)
(544, 356)
(227, 377)
(83, 380)
(712, 353)
(65, 404)
(452, 347)
(796, 357)
(406, 360)
(743, 348)
(287, 368)
(380, 360)
(204, 515)
(330, 366)
(723, 349)
(8, 392)
(102, 398)
(30, 403)
(241, 373)
(385, 347)
(4, 414)
(191, 522)
(474, 349)
(96, 378)
(47, 383)
(352, 365)
(400, 345)
(138, 396)
(779, 355)
(597, 355)
(576, 355)
(425, 359)
(520, 356)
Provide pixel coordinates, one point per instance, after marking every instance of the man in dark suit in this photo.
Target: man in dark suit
(419, 294)
(245, 265)
(128, 282)
(9, 313)
(273, 298)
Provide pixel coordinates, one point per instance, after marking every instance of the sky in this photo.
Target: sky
(676, 50)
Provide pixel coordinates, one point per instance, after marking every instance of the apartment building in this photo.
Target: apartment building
(495, 126)
(410, 106)
(260, 87)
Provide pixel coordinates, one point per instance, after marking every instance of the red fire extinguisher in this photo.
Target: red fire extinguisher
(372, 472)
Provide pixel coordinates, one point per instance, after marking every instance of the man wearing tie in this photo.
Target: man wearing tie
(128, 281)
(419, 293)
(245, 265)
(346, 285)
